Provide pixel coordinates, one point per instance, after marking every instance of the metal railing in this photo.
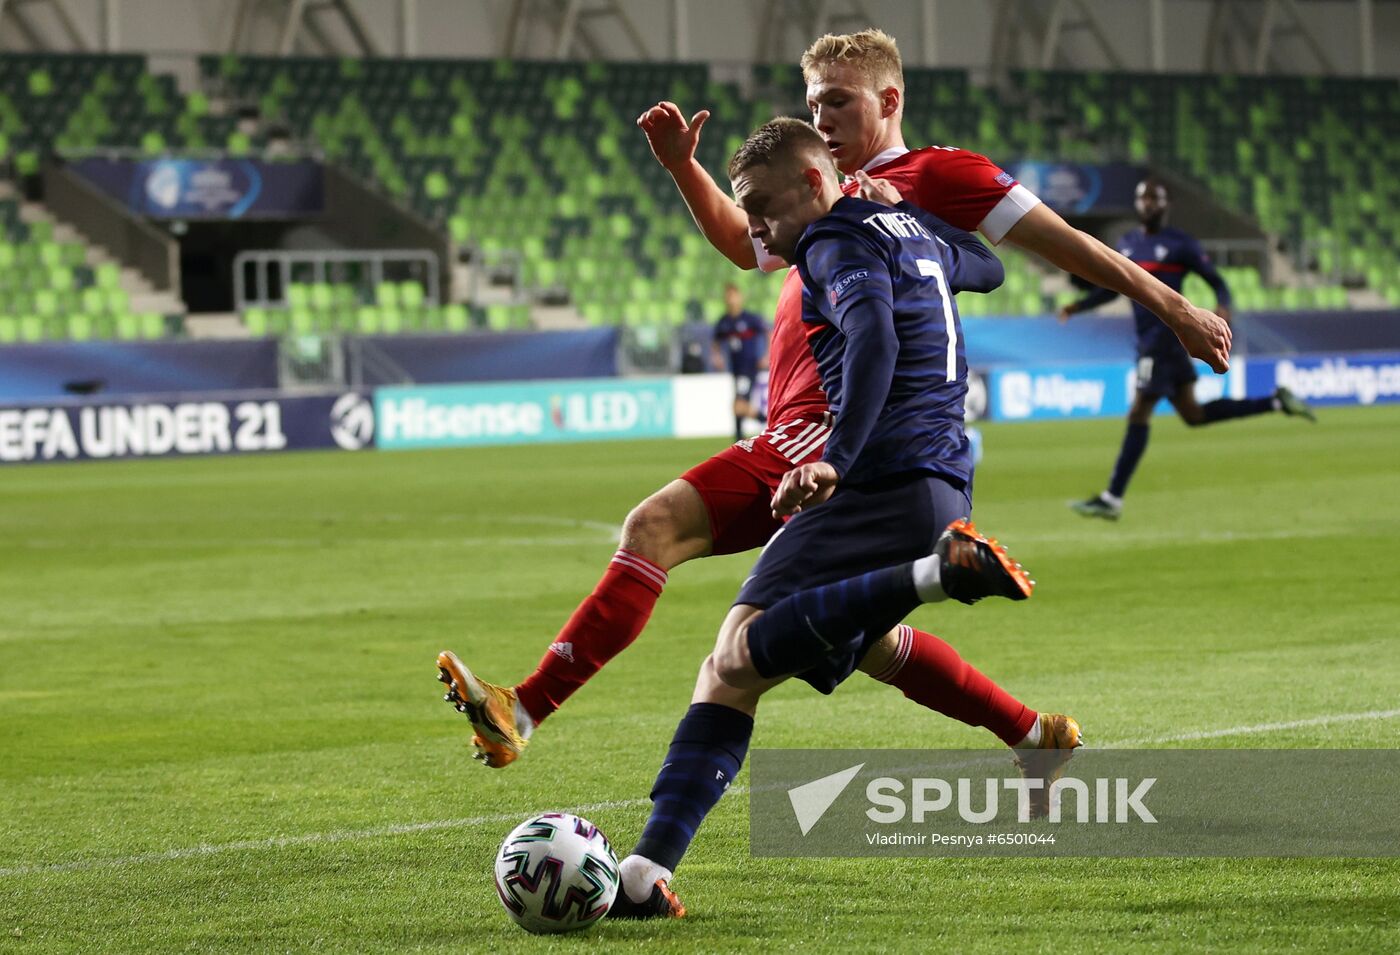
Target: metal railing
(261, 278)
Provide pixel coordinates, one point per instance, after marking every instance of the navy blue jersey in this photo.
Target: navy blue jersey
(884, 329)
(1169, 255)
(742, 337)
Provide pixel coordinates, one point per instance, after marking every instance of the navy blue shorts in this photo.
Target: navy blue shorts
(860, 529)
(743, 384)
(1161, 375)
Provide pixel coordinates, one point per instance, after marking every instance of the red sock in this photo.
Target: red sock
(602, 627)
(931, 673)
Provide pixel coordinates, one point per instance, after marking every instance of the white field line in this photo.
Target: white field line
(309, 543)
(1113, 537)
(1256, 728)
(355, 835)
(589, 532)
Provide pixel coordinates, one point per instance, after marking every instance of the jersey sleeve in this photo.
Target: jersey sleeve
(973, 267)
(971, 192)
(857, 284)
(1196, 260)
(842, 268)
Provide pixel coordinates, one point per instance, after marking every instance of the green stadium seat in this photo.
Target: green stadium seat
(367, 320)
(386, 295)
(455, 318)
(411, 295)
(80, 327)
(302, 321)
(255, 320)
(107, 276)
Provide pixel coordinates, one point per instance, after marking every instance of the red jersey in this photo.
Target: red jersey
(961, 188)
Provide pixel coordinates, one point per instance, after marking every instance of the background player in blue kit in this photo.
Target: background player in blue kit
(740, 347)
(880, 521)
(1164, 370)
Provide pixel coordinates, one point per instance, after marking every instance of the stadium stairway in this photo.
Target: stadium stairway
(57, 285)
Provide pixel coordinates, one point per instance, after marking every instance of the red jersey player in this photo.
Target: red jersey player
(723, 505)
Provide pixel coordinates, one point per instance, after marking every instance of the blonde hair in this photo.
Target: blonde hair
(873, 52)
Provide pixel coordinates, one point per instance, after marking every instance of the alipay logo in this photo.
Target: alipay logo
(1054, 393)
(1015, 396)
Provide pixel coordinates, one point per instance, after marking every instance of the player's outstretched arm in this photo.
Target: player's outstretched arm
(1099, 296)
(1205, 334)
(1197, 261)
(673, 141)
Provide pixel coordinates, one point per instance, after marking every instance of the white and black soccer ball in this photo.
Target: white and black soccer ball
(556, 873)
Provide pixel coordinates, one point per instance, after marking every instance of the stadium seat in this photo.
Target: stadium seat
(1305, 154)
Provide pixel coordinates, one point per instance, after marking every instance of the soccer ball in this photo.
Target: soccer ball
(556, 873)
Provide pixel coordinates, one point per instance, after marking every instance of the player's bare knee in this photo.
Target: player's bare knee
(732, 661)
(648, 529)
(667, 528)
(709, 688)
(708, 685)
(881, 653)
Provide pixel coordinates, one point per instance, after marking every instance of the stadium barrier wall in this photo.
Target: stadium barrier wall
(538, 412)
(184, 426)
(1329, 379)
(53, 371)
(257, 422)
(1100, 390)
(1048, 392)
(500, 356)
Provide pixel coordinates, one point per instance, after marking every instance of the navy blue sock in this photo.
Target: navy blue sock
(1224, 409)
(800, 630)
(1134, 444)
(705, 755)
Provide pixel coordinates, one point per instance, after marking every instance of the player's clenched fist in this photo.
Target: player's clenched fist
(671, 138)
(804, 486)
(1206, 336)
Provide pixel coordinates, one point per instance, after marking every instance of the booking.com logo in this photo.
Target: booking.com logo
(891, 800)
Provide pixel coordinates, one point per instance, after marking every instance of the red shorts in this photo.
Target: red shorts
(737, 484)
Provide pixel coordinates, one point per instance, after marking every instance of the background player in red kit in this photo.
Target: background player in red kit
(855, 90)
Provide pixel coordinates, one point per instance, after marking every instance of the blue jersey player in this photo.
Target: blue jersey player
(741, 348)
(1164, 370)
(879, 524)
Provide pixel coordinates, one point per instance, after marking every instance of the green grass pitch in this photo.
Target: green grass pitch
(221, 730)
